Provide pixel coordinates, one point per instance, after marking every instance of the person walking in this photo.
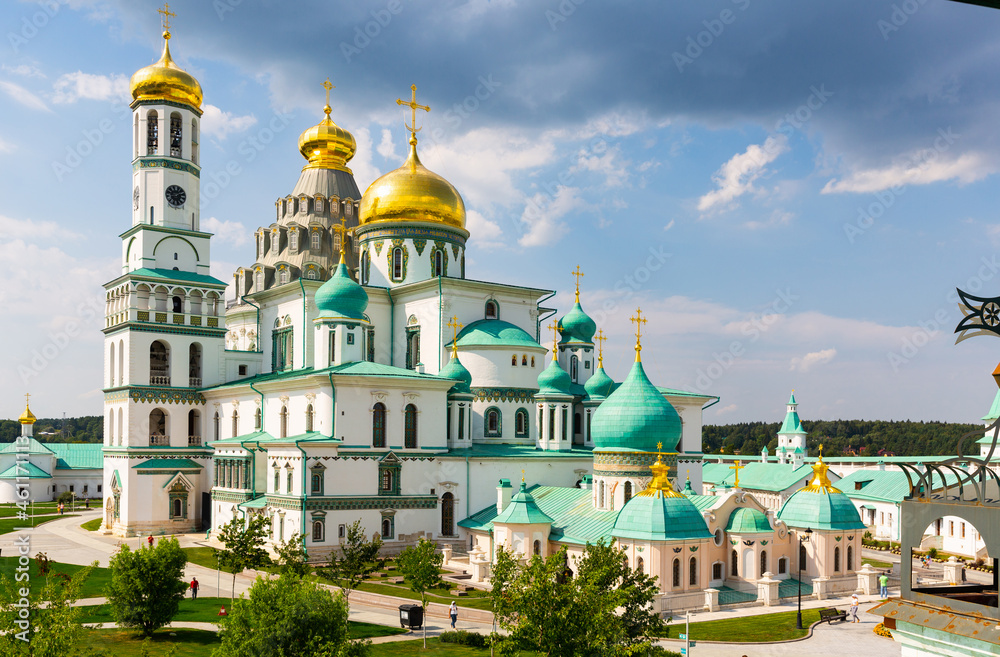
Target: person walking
(852, 611)
(149, 539)
(194, 588)
(883, 585)
(453, 611)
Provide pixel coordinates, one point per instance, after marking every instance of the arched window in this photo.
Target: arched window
(366, 263)
(152, 132)
(693, 572)
(309, 418)
(289, 481)
(537, 548)
(317, 483)
(284, 422)
(492, 310)
(121, 427)
(293, 240)
(574, 368)
(492, 421)
(159, 364)
(178, 305)
(447, 514)
(111, 369)
(600, 495)
(378, 425)
(397, 264)
(175, 135)
(283, 276)
(386, 528)
(259, 282)
(836, 559)
(311, 274)
(640, 565)
(111, 428)
(675, 571)
(734, 569)
(314, 238)
(317, 530)
(521, 423)
(177, 508)
(194, 141)
(194, 365)
(532, 361)
(438, 263)
(215, 426)
(410, 427)
(513, 360)
(850, 557)
(236, 423)
(158, 428)
(763, 562)
(628, 491)
(257, 418)
(277, 480)
(121, 362)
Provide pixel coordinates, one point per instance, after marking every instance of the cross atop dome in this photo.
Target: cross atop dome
(555, 339)
(578, 274)
(328, 86)
(414, 106)
(638, 320)
(166, 16)
(600, 348)
(455, 326)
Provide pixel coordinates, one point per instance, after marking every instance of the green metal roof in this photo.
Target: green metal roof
(258, 502)
(34, 447)
(356, 368)
(522, 510)
(78, 456)
(517, 452)
(175, 275)
(792, 424)
(33, 472)
(167, 464)
(636, 417)
(660, 518)
(704, 502)
(554, 380)
(994, 409)
(600, 385)
(757, 475)
(746, 520)
(884, 485)
(820, 510)
(457, 372)
(341, 297)
(494, 333)
(577, 327)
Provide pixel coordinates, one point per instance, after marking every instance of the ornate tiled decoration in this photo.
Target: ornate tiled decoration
(371, 502)
(378, 247)
(523, 395)
(454, 249)
(398, 244)
(631, 464)
(165, 396)
(146, 163)
(419, 245)
(444, 261)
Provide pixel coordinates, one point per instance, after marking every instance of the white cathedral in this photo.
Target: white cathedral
(358, 374)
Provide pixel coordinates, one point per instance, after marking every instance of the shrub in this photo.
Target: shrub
(932, 553)
(978, 563)
(464, 638)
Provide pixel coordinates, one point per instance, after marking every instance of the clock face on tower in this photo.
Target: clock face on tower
(175, 196)
(135, 198)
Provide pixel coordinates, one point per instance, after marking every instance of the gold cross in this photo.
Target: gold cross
(600, 347)
(737, 467)
(578, 274)
(659, 446)
(454, 326)
(344, 232)
(167, 14)
(328, 86)
(821, 451)
(639, 320)
(555, 338)
(412, 104)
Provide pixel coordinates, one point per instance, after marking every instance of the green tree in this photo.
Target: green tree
(606, 609)
(419, 564)
(244, 541)
(147, 585)
(39, 618)
(287, 616)
(359, 558)
(292, 556)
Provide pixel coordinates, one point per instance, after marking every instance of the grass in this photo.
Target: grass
(8, 525)
(92, 525)
(751, 629)
(434, 647)
(127, 643)
(875, 563)
(92, 588)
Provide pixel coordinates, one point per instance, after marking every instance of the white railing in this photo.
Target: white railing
(194, 381)
(159, 380)
(157, 439)
(194, 441)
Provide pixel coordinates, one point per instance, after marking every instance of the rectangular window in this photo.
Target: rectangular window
(282, 349)
(293, 240)
(552, 424)
(963, 530)
(461, 422)
(716, 571)
(564, 418)
(242, 370)
(350, 338)
(370, 345)
(333, 345)
(951, 528)
(71, 488)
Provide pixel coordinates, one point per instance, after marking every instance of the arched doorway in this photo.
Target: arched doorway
(447, 514)
(109, 513)
(748, 563)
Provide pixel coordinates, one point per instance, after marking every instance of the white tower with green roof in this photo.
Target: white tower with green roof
(164, 326)
(792, 437)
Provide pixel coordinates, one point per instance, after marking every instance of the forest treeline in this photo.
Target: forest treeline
(844, 437)
(87, 429)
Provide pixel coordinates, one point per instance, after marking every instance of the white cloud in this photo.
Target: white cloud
(609, 164)
(33, 230)
(543, 215)
(669, 225)
(487, 234)
(777, 218)
(365, 171)
(387, 148)
(812, 359)
(231, 232)
(921, 168)
(72, 87)
(24, 70)
(6, 146)
(737, 176)
(726, 409)
(23, 96)
(217, 124)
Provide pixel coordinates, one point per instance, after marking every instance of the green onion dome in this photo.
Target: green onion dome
(455, 371)
(554, 380)
(820, 506)
(660, 513)
(600, 385)
(577, 326)
(635, 417)
(341, 297)
(748, 521)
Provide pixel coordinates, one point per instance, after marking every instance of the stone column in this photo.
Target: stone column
(953, 571)
(711, 599)
(868, 580)
(821, 587)
(767, 590)
(445, 554)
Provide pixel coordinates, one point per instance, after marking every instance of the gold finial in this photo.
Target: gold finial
(600, 348)
(414, 106)
(639, 320)
(555, 338)
(522, 475)
(737, 467)
(577, 273)
(454, 326)
(167, 15)
(659, 446)
(327, 109)
(820, 482)
(660, 484)
(27, 417)
(344, 232)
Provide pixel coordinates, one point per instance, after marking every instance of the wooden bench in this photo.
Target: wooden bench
(830, 615)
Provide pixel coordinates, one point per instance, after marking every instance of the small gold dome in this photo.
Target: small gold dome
(412, 193)
(326, 145)
(27, 417)
(165, 80)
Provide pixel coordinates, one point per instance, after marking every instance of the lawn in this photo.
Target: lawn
(126, 643)
(92, 525)
(92, 588)
(8, 525)
(750, 629)
(875, 563)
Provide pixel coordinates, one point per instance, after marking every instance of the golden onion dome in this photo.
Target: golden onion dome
(27, 417)
(165, 80)
(326, 145)
(412, 193)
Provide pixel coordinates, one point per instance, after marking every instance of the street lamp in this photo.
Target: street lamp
(802, 540)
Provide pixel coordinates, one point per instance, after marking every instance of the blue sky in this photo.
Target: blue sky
(791, 192)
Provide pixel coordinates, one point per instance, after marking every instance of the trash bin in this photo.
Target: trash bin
(411, 616)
